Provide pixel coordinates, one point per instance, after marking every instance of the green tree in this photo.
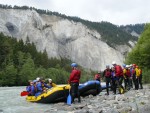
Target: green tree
(141, 53)
(27, 71)
(10, 75)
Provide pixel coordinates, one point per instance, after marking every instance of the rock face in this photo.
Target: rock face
(61, 38)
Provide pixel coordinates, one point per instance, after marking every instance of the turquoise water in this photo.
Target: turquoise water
(12, 102)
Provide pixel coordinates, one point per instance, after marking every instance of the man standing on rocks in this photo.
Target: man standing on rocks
(119, 75)
(140, 79)
(74, 82)
(107, 74)
(137, 75)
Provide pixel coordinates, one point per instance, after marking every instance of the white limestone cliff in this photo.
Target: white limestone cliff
(61, 38)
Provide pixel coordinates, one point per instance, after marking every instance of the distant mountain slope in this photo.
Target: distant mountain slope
(91, 44)
(134, 30)
(110, 33)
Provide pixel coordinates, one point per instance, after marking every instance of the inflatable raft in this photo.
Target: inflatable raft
(92, 87)
(55, 94)
(60, 92)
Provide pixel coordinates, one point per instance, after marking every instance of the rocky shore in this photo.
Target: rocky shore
(133, 101)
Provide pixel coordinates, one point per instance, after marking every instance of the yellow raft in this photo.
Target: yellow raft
(55, 94)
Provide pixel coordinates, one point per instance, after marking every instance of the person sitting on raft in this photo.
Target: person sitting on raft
(41, 86)
(31, 89)
(28, 88)
(50, 83)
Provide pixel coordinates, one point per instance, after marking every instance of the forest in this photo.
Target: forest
(20, 62)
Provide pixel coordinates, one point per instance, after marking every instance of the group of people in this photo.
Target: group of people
(114, 77)
(38, 86)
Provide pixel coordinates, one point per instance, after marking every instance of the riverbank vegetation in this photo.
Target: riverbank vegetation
(20, 62)
(141, 54)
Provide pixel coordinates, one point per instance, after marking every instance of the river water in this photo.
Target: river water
(12, 102)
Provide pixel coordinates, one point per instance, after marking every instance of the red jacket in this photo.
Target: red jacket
(75, 76)
(107, 73)
(128, 73)
(118, 71)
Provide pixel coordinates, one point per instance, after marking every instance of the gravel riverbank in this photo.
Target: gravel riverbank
(133, 101)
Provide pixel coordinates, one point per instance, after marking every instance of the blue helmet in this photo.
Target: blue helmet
(124, 65)
(34, 81)
(74, 65)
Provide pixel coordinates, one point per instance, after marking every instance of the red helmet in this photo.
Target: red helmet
(134, 65)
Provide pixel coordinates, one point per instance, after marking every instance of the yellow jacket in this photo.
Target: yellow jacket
(137, 72)
(124, 73)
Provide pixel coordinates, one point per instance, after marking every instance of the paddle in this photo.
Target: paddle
(24, 93)
(69, 99)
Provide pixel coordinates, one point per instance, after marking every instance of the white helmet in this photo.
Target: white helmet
(127, 66)
(50, 80)
(113, 62)
(38, 78)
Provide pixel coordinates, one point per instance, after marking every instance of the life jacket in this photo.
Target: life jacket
(124, 71)
(33, 90)
(133, 71)
(75, 76)
(128, 74)
(28, 89)
(118, 71)
(140, 71)
(137, 73)
(107, 73)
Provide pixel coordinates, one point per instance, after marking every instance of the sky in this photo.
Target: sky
(118, 12)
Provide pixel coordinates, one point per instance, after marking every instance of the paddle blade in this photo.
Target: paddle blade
(69, 99)
(24, 93)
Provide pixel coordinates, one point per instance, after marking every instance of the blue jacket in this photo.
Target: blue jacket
(28, 88)
(40, 88)
(33, 90)
(113, 77)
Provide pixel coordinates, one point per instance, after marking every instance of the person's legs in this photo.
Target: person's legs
(77, 92)
(107, 85)
(136, 83)
(140, 82)
(125, 82)
(72, 92)
(114, 86)
(128, 82)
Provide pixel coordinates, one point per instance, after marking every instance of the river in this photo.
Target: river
(12, 102)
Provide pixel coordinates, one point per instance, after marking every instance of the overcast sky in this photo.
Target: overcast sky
(119, 12)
